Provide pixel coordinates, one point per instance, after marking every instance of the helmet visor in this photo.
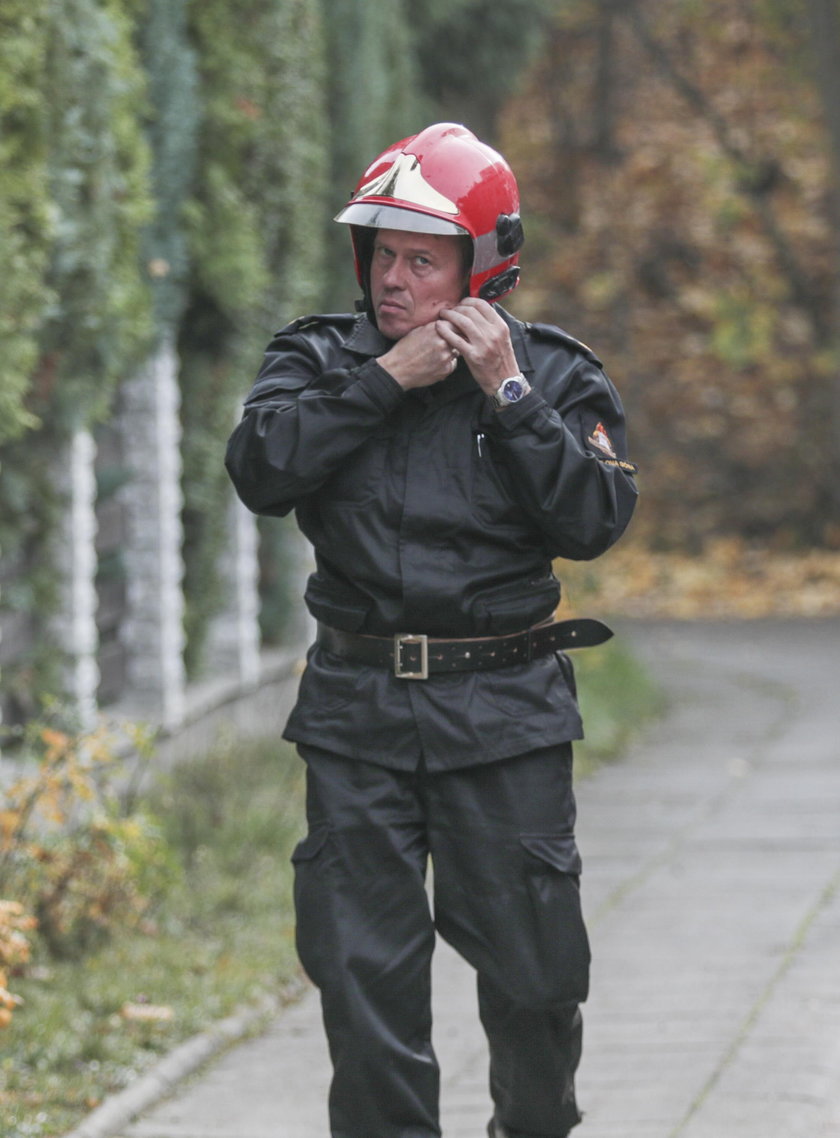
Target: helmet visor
(375, 215)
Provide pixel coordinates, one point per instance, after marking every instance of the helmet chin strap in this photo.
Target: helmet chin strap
(363, 241)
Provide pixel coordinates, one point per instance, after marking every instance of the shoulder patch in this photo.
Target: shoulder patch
(337, 319)
(601, 445)
(552, 332)
(601, 441)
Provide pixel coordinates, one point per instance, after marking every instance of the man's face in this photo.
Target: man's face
(412, 277)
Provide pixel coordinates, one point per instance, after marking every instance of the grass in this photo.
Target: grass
(617, 698)
(222, 935)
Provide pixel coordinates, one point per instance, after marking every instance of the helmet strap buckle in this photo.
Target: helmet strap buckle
(500, 284)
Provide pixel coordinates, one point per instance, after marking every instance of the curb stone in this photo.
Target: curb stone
(120, 1108)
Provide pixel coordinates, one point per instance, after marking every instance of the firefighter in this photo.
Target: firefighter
(439, 454)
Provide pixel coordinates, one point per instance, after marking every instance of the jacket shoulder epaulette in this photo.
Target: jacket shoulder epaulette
(552, 332)
(336, 319)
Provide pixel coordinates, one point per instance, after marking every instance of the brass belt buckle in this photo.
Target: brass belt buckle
(400, 641)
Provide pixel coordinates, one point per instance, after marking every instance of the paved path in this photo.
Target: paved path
(712, 888)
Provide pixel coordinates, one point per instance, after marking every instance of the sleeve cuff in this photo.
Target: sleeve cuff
(380, 386)
(508, 419)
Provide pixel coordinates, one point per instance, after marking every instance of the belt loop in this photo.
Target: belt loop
(529, 646)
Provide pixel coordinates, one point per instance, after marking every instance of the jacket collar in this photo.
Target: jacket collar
(365, 339)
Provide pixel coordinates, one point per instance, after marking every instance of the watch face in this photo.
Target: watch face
(512, 390)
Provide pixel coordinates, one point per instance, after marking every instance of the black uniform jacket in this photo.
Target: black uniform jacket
(432, 512)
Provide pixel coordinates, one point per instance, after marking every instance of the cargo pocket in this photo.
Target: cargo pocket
(561, 945)
(313, 902)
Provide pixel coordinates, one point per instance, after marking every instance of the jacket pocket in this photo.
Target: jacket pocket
(492, 492)
(517, 605)
(337, 607)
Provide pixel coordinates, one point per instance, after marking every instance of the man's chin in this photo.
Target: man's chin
(393, 325)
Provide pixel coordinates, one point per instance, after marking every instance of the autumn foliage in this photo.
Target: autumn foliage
(678, 207)
(74, 864)
(15, 924)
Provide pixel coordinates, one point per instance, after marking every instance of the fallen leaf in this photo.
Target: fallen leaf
(146, 1013)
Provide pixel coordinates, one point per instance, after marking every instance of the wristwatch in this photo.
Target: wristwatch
(510, 391)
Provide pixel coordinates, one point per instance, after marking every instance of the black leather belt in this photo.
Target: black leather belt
(416, 657)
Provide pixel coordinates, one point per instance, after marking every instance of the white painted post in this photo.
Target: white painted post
(74, 557)
(154, 629)
(233, 647)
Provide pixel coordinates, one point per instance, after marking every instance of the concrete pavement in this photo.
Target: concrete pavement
(712, 890)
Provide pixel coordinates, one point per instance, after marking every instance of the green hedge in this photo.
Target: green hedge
(25, 229)
(74, 198)
(255, 227)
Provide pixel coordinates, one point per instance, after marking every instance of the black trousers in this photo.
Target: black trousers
(506, 896)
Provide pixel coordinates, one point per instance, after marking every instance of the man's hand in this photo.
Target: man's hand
(420, 358)
(476, 330)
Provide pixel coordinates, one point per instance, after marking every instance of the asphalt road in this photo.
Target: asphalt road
(712, 889)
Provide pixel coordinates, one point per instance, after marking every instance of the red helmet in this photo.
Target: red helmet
(443, 180)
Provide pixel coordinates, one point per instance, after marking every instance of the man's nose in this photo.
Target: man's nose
(394, 275)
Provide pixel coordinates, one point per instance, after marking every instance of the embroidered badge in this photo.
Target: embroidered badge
(601, 441)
